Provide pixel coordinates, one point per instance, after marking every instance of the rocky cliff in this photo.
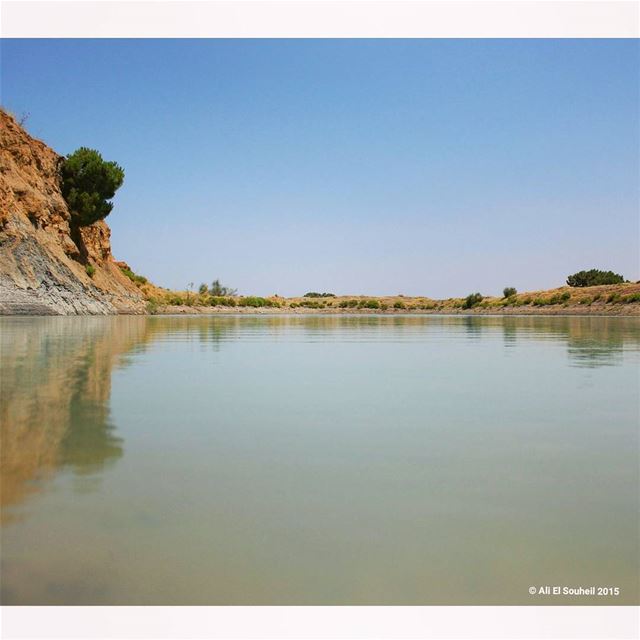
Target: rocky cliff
(45, 259)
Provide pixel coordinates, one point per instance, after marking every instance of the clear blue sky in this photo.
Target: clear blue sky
(426, 167)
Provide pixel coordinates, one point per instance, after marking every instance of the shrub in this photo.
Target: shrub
(633, 297)
(472, 300)
(613, 297)
(203, 289)
(369, 304)
(134, 277)
(399, 305)
(564, 296)
(593, 277)
(220, 301)
(255, 301)
(90, 269)
(88, 183)
(315, 294)
(507, 292)
(152, 306)
(217, 289)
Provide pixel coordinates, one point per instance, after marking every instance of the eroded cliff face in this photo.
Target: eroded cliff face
(43, 254)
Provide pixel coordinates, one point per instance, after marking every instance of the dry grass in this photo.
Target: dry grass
(619, 298)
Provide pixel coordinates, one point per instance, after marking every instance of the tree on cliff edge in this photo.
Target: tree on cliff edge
(88, 183)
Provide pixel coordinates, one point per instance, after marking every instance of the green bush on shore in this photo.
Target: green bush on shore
(594, 277)
(369, 304)
(222, 301)
(472, 300)
(256, 301)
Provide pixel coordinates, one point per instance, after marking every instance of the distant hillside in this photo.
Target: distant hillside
(47, 264)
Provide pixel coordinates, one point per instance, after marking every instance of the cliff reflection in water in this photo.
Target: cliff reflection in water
(54, 408)
(56, 372)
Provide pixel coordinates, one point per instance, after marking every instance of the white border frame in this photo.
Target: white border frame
(320, 19)
(312, 623)
(315, 19)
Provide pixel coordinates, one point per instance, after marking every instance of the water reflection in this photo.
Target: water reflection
(315, 459)
(590, 341)
(54, 407)
(56, 372)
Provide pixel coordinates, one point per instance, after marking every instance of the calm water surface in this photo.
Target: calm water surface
(318, 459)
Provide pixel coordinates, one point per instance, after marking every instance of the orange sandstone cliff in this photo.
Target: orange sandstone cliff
(43, 255)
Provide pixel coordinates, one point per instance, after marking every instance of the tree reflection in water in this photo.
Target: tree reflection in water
(54, 409)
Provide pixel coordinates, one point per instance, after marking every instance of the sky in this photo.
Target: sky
(374, 167)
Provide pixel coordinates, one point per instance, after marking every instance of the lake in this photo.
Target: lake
(318, 459)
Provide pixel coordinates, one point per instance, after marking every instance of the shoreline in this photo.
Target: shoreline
(621, 300)
(621, 310)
